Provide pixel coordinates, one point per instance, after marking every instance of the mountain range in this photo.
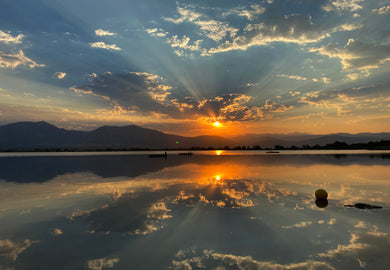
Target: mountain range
(42, 135)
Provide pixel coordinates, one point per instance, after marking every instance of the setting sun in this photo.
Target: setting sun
(217, 124)
(218, 177)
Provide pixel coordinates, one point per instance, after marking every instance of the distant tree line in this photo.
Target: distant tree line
(381, 145)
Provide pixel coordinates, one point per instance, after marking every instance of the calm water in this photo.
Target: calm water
(208, 211)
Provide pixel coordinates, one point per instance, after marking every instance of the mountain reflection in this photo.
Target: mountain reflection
(45, 168)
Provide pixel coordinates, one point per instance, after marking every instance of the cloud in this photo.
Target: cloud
(59, 75)
(143, 91)
(341, 5)
(56, 232)
(14, 249)
(294, 28)
(294, 77)
(8, 38)
(364, 248)
(119, 216)
(302, 224)
(180, 44)
(216, 30)
(183, 43)
(99, 264)
(15, 60)
(325, 80)
(350, 99)
(101, 32)
(357, 55)
(381, 11)
(105, 46)
(212, 29)
(4, 93)
(146, 93)
(295, 93)
(210, 258)
(250, 13)
(156, 32)
(229, 107)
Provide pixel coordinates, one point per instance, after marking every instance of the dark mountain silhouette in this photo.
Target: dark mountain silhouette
(41, 135)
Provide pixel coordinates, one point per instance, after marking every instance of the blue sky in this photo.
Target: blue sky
(179, 66)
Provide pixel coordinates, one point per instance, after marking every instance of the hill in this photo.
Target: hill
(42, 135)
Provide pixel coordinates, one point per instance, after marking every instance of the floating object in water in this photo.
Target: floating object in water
(321, 194)
(321, 203)
(363, 206)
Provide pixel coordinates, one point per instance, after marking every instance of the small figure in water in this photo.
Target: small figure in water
(363, 206)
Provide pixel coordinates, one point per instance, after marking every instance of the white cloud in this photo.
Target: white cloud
(212, 29)
(87, 92)
(56, 232)
(381, 11)
(101, 32)
(354, 76)
(186, 14)
(341, 5)
(157, 32)
(216, 30)
(364, 248)
(8, 38)
(325, 80)
(295, 93)
(251, 14)
(105, 46)
(99, 264)
(294, 77)
(59, 75)
(348, 27)
(15, 60)
(298, 29)
(357, 55)
(302, 224)
(183, 43)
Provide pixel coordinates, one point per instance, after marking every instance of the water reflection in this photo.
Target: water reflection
(206, 212)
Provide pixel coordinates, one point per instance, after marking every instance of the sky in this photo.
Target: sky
(267, 66)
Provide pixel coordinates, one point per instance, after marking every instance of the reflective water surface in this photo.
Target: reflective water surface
(217, 211)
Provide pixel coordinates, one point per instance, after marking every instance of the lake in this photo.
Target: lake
(212, 210)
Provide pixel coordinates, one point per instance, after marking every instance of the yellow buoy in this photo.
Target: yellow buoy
(321, 194)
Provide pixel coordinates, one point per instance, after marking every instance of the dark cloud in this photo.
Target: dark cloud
(138, 91)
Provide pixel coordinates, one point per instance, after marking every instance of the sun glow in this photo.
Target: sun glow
(218, 177)
(218, 152)
(217, 124)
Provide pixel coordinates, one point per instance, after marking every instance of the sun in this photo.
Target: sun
(217, 124)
